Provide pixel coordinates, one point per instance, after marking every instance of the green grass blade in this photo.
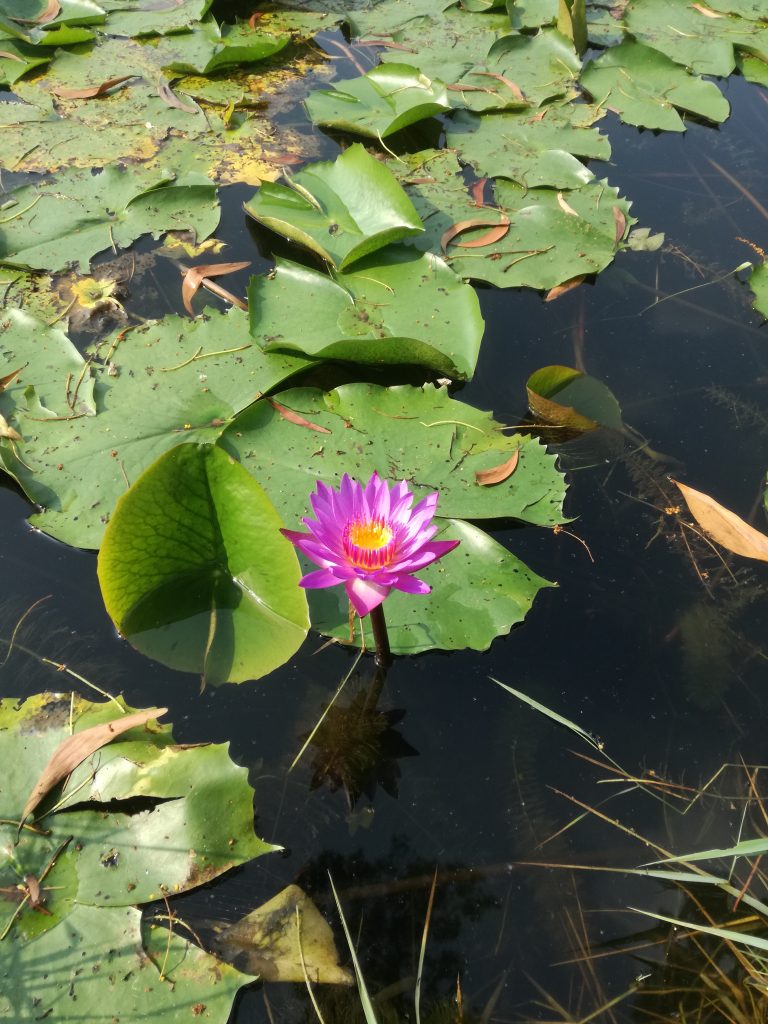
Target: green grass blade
(365, 999)
(746, 848)
(560, 719)
(727, 934)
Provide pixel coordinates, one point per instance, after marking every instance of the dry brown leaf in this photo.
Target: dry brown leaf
(51, 11)
(513, 88)
(566, 286)
(497, 231)
(564, 206)
(91, 91)
(706, 11)
(168, 96)
(195, 276)
(621, 223)
(724, 526)
(6, 430)
(76, 748)
(9, 378)
(294, 417)
(10, 56)
(497, 474)
(478, 192)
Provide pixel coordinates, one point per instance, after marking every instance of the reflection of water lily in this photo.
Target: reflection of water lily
(370, 539)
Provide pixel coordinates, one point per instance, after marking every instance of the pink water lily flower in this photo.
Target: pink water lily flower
(370, 539)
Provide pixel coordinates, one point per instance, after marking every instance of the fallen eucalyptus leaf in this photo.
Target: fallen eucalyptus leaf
(92, 91)
(495, 475)
(195, 276)
(74, 750)
(497, 231)
(724, 526)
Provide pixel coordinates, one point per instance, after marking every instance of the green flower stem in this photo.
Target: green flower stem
(380, 637)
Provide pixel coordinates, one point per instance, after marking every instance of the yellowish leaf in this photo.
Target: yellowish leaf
(724, 526)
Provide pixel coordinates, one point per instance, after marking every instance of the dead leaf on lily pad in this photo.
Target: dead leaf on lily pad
(294, 417)
(272, 940)
(9, 378)
(495, 475)
(76, 748)
(724, 526)
(168, 96)
(91, 91)
(195, 276)
(566, 286)
(51, 11)
(497, 231)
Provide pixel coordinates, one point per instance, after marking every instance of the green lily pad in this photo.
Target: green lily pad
(387, 99)
(479, 591)
(644, 87)
(521, 71)
(528, 14)
(150, 18)
(393, 307)
(17, 58)
(447, 45)
(71, 218)
(702, 43)
(753, 68)
(157, 386)
(552, 238)
(758, 282)
(214, 48)
(532, 151)
(405, 433)
(183, 573)
(342, 210)
(107, 860)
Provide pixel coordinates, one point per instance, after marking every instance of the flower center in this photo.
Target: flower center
(369, 543)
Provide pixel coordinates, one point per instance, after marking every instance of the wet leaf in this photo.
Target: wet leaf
(342, 210)
(195, 276)
(167, 95)
(497, 474)
(385, 100)
(182, 571)
(89, 93)
(271, 941)
(644, 87)
(294, 417)
(569, 398)
(395, 307)
(499, 228)
(724, 526)
(533, 152)
(562, 289)
(72, 751)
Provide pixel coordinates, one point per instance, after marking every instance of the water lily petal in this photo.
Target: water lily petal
(365, 595)
(411, 585)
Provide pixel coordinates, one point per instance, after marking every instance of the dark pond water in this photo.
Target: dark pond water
(654, 646)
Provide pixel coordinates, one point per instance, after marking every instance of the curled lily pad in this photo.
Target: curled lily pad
(566, 397)
(394, 307)
(758, 283)
(385, 100)
(342, 210)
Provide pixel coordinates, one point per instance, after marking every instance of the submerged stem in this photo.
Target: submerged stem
(379, 626)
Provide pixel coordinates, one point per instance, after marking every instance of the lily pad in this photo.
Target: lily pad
(150, 18)
(342, 210)
(686, 35)
(521, 71)
(479, 592)
(157, 386)
(533, 151)
(528, 14)
(106, 860)
(385, 100)
(644, 87)
(393, 307)
(183, 573)
(405, 433)
(553, 237)
(71, 218)
(17, 58)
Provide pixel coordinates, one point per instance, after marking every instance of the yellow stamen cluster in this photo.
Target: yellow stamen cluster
(369, 543)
